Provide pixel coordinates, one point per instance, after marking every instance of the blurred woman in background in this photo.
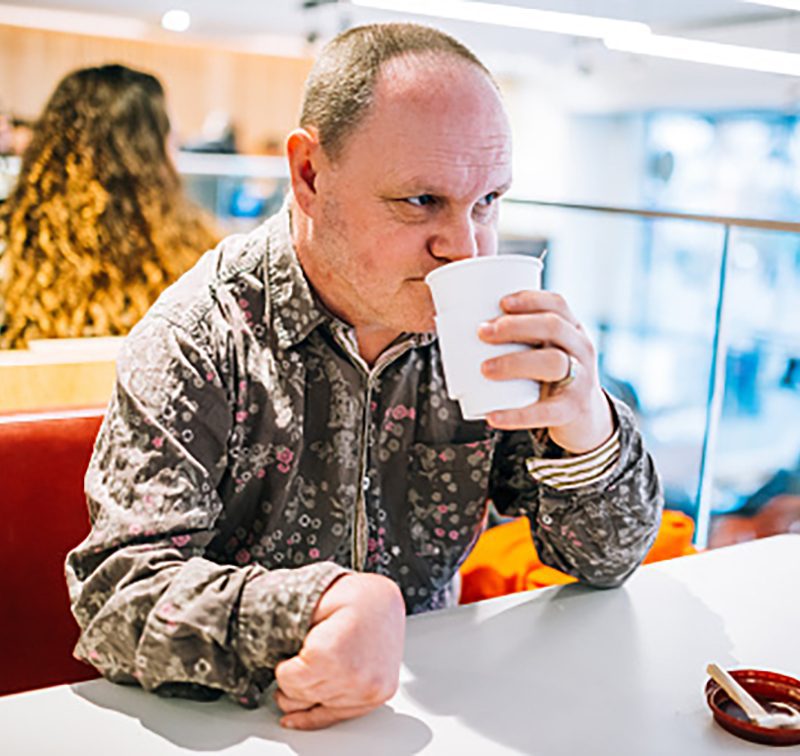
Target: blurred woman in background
(97, 223)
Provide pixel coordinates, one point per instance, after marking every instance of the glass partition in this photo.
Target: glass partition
(756, 462)
(697, 324)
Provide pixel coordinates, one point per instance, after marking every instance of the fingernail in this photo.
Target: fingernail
(510, 301)
(486, 329)
(288, 724)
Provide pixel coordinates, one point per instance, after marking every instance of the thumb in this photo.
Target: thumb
(294, 676)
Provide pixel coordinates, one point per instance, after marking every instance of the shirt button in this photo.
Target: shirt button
(365, 483)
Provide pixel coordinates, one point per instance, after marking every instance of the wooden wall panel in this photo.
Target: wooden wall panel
(262, 93)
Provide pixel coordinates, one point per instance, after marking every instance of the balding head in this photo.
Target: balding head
(340, 89)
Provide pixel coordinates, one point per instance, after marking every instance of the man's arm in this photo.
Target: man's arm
(598, 532)
(597, 521)
(151, 607)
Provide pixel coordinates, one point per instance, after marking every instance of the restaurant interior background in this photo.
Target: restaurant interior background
(657, 159)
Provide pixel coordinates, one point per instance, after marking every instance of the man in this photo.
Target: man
(281, 475)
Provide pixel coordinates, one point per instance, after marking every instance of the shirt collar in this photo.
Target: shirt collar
(292, 309)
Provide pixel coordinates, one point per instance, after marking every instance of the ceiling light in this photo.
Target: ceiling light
(176, 20)
(787, 4)
(625, 36)
(573, 24)
(712, 53)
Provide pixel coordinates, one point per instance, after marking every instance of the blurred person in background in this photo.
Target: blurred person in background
(218, 135)
(6, 133)
(97, 224)
(15, 135)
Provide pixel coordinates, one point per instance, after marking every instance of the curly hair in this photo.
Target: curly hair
(97, 223)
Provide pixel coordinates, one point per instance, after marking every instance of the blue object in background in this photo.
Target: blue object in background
(246, 204)
(741, 386)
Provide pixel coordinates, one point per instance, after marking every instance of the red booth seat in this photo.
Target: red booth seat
(43, 458)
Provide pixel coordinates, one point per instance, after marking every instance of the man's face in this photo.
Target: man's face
(416, 187)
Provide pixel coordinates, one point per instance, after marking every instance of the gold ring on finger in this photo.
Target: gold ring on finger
(572, 371)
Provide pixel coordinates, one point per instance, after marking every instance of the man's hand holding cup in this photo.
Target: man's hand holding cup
(516, 355)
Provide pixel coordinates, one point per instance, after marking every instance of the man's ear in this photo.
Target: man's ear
(304, 153)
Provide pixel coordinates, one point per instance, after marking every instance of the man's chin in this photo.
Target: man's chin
(423, 323)
(420, 314)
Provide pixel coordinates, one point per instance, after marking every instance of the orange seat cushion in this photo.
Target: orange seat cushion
(504, 559)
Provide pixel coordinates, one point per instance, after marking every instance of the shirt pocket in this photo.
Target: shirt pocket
(447, 494)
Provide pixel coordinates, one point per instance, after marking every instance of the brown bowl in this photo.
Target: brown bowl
(764, 687)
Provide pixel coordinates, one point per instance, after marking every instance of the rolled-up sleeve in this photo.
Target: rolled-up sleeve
(599, 532)
(151, 607)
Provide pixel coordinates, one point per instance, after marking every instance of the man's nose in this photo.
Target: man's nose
(455, 240)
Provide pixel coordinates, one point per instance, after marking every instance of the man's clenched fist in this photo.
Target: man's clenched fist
(350, 660)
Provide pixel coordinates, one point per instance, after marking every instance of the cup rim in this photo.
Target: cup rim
(472, 261)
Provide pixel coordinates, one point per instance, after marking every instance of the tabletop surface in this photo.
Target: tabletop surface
(565, 670)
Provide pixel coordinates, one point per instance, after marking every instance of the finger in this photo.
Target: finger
(295, 677)
(538, 329)
(322, 716)
(538, 301)
(348, 696)
(547, 364)
(290, 705)
(559, 409)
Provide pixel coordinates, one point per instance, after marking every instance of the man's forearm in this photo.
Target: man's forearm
(149, 615)
(601, 532)
(594, 516)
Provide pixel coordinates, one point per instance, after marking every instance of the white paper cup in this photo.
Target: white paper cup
(478, 284)
(466, 294)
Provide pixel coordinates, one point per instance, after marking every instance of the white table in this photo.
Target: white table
(561, 671)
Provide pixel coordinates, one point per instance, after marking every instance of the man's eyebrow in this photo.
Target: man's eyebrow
(415, 188)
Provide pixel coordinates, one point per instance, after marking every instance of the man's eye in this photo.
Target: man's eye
(489, 199)
(421, 200)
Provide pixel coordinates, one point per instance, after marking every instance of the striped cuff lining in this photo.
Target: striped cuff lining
(581, 470)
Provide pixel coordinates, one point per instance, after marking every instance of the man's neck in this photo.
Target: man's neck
(371, 339)
(372, 342)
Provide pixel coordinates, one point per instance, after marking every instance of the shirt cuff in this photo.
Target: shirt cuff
(577, 471)
(276, 610)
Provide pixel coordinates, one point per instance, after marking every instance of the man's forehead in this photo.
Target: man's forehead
(435, 126)
(448, 101)
(448, 179)
(481, 153)
(428, 75)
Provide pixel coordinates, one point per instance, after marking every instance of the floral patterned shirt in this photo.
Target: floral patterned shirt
(249, 456)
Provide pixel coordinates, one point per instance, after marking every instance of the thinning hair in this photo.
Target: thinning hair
(97, 223)
(341, 86)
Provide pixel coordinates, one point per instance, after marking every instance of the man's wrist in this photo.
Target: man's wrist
(276, 609)
(590, 431)
(571, 471)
